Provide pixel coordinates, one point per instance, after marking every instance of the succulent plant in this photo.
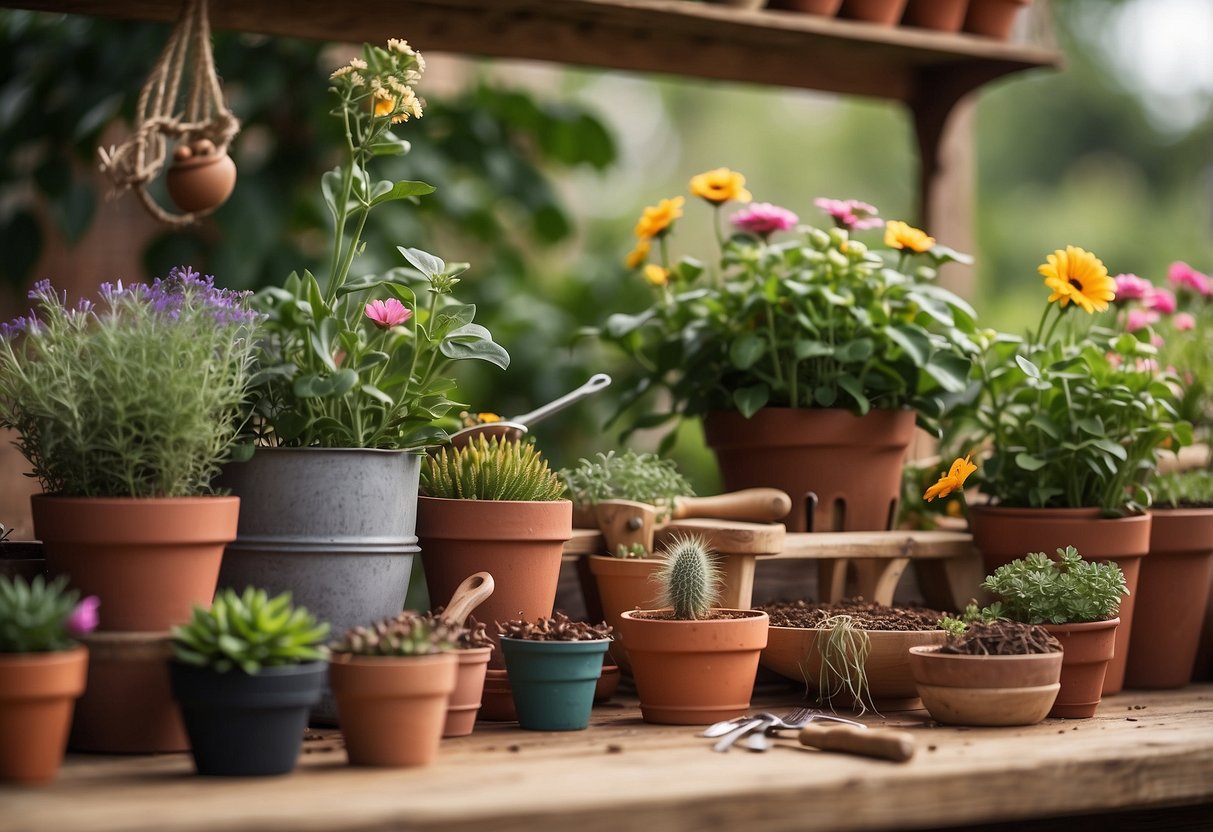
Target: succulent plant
(38, 617)
(471, 634)
(1069, 590)
(557, 628)
(249, 631)
(645, 478)
(490, 469)
(635, 551)
(689, 578)
(407, 634)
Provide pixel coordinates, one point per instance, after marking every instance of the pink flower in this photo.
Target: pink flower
(1161, 300)
(763, 219)
(387, 313)
(1140, 319)
(850, 214)
(1184, 322)
(1132, 287)
(1183, 276)
(83, 619)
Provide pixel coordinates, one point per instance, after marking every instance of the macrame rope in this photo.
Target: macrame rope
(140, 159)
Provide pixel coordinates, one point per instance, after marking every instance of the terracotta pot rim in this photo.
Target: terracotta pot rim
(515, 503)
(49, 657)
(199, 161)
(932, 651)
(471, 651)
(208, 499)
(1081, 512)
(371, 661)
(1087, 625)
(750, 615)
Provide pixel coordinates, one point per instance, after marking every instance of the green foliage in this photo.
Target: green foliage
(34, 615)
(490, 469)
(689, 578)
(844, 649)
(954, 627)
(137, 397)
(249, 631)
(1068, 590)
(1184, 488)
(636, 551)
(644, 478)
(407, 634)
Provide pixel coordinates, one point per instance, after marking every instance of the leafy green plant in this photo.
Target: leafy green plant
(41, 616)
(643, 477)
(1184, 488)
(1069, 590)
(249, 631)
(407, 634)
(689, 578)
(490, 469)
(635, 551)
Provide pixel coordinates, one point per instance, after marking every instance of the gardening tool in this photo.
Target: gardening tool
(882, 743)
(627, 521)
(792, 719)
(467, 596)
(514, 429)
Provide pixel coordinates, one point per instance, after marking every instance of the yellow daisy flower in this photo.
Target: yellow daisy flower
(720, 186)
(384, 103)
(902, 235)
(1078, 275)
(656, 275)
(954, 480)
(657, 219)
(637, 256)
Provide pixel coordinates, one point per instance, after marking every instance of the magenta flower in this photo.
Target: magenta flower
(1184, 322)
(1161, 300)
(1183, 276)
(850, 214)
(1132, 287)
(1140, 319)
(387, 313)
(763, 219)
(83, 619)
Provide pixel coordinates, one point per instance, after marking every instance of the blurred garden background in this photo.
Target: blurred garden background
(542, 170)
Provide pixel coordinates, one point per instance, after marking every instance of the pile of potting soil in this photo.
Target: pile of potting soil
(867, 615)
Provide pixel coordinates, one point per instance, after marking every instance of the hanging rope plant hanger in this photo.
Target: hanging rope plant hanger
(181, 101)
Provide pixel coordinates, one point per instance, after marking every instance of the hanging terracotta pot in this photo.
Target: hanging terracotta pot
(150, 561)
(37, 693)
(1172, 594)
(851, 463)
(940, 15)
(993, 18)
(959, 689)
(827, 8)
(200, 178)
(1086, 653)
(880, 12)
(1005, 534)
(465, 699)
(624, 584)
(519, 543)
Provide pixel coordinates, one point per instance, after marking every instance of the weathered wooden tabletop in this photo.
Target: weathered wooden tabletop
(1141, 750)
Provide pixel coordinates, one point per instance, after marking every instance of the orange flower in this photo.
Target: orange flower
(384, 103)
(638, 256)
(720, 186)
(656, 220)
(901, 235)
(656, 275)
(954, 480)
(1078, 275)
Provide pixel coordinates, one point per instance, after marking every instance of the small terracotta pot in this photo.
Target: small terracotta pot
(37, 693)
(150, 561)
(940, 15)
(519, 543)
(392, 710)
(1087, 650)
(201, 182)
(553, 682)
(986, 690)
(1172, 594)
(624, 584)
(608, 683)
(827, 8)
(992, 18)
(880, 12)
(469, 688)
(694, 672)
(497, 702)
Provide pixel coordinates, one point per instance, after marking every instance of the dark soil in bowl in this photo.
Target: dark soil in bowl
(866, 614)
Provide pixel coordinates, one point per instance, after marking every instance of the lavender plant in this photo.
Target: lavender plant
(138, 395)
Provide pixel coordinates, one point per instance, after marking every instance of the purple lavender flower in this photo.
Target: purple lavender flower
(19, 325)
(850, 214)
(763, 219)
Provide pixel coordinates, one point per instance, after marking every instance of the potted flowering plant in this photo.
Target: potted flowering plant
(125, 410)
(808, 357)
(352, 374)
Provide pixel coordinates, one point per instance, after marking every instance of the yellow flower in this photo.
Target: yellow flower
(719, 186)
(384, 103)
(656, 275)
(1078, 275)
(954, 480)
(657, 219)
(638, 255)
(901, 235)
(486, 417)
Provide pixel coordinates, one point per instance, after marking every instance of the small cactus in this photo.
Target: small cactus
(690, 579)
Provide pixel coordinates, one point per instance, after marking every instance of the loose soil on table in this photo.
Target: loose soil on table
(714, 615)
(867, 615)
(1002, 638)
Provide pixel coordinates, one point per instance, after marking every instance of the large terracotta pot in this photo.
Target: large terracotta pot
(1087, 651)
(150, 561)
(1004, 534)
(992, 18)
(851, 463)
(469, 690)
(940, 15)
(391, 709)
(624, 584)
(960, 689)
(37, 692)
(1172, 594)
(881, 12)
(694, 672)
(519, 543)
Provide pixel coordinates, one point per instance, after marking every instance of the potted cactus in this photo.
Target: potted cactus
(693, 664)
(392, 682)
(245, 672)
(553, 666)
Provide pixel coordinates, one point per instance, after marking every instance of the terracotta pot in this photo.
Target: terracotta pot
(469, 688)
(992, 18)
(881, 12)
(497, 702)
(851, 463)
(792, 652)
(624, 584)
(828, 8)
(1088, 650)
(739, 4)
(37, 692)
(553, 682)
(694, 672)
(1004, 534)
(608, 683)
(941, 15)
(202, 182)
(986, 690)
(1172, 595)
(392, 710)
(519, 543)
(128, 706)
(150, 561)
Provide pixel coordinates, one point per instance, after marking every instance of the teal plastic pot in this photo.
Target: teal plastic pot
(553, 681)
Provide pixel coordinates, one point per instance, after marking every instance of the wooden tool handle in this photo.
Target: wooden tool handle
(468, 595)
(759, 505)
(897, 746)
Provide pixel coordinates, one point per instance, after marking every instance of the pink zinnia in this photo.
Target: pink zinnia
(1140, 319)
(1161, 300)
(83, 619)
(1132, 287)
(763, 219)
(1184, 322)
(1183, 276)
(387, 313)
(850, 214)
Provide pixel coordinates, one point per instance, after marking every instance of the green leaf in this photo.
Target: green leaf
(342, 382)
(423, 261)
(474, 341)
(749, 400)
(375, 393)
(1027, 366)
(950, 371)
(688, 268)
(1028, 462)
(745, 351)
(403, 190)
(851, 385)
(805, 348)
(913, 340)
(856, 351)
